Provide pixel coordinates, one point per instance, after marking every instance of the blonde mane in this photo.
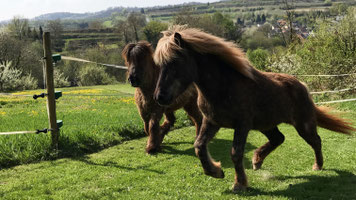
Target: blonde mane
(203, 43)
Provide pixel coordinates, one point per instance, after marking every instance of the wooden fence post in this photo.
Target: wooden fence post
(51, 102)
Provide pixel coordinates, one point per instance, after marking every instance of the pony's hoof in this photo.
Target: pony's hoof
(239, 188)
(257, 166)
(152, 150)
(218, 173)
(316, 167)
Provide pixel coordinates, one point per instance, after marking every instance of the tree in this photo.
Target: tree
(55, 27)
(83, 25)
(331, 50)
(11, 49)
(216, 24)
(123, 28)
(18, 27)
(136, 21)
(258, 19)
(35, 35)
(152, 31)
(263, 18)
(41, 33)
(240, 22)
(95, 24)
(290, 15)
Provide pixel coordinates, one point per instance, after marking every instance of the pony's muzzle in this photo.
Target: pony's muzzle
(133, 80)
(162, 98)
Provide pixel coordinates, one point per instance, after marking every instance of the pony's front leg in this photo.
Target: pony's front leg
(207, 132)
(237, 154)
(167, 124)
(146, 127)
(154, 138)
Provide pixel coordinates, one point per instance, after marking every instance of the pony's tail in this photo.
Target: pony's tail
(331, 122)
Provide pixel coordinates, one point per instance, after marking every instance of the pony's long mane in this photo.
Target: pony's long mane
(202, 43)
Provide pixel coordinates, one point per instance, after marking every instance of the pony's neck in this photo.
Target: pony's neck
(214, 75)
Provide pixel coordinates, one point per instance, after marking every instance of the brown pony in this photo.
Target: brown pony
(143, 74)
(233, 94)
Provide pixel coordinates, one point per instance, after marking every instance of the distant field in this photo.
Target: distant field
(237, 8)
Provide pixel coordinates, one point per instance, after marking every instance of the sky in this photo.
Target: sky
(33, 8)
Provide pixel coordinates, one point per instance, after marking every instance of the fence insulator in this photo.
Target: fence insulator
(56, 57)
(57, 94)
(42, 131)
(59, 123)
(38, 96)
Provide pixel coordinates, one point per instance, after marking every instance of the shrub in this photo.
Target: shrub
(258, 58)
(153, 30)
(12, 79)
(27, 82)
(60, 80)
(9, 77)
(92, 74)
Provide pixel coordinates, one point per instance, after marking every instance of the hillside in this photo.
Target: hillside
(90, 15)
(164, 12)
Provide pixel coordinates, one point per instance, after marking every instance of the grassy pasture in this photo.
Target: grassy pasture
(126, 172)
(103, 156)
(94, 118)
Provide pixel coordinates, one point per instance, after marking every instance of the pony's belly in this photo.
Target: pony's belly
(219, 116)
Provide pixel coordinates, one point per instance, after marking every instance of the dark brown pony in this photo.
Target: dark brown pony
(143, 74)
(235, 95)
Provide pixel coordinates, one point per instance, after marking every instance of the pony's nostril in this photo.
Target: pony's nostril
(133, 81)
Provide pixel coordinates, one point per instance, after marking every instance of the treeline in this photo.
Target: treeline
(275, 44)
(330, 49)
(21, 53)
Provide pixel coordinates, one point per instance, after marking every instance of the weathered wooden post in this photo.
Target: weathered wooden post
(51, 102)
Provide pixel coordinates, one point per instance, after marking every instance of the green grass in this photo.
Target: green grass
(94, 118)
(102, 155)
(126, 172)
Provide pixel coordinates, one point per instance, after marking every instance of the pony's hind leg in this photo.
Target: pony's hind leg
(275, 138)
(308, 132)
(207, 132)
(169, 121)
(237, 154)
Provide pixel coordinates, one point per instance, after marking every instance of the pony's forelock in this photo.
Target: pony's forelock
(165, 50)
(134, 50)
(203, 43)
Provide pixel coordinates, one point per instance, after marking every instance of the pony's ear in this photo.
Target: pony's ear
(126, 51)
(178, 39)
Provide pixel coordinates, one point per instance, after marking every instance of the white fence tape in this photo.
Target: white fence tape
(87, 61)
(337, 101)
(324, 75)
(17, 132)
(333, 91)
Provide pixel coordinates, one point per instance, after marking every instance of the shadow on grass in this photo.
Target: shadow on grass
(84, 144)
(219, 148)
(341, 186)
(80, 144)
(86, 160)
